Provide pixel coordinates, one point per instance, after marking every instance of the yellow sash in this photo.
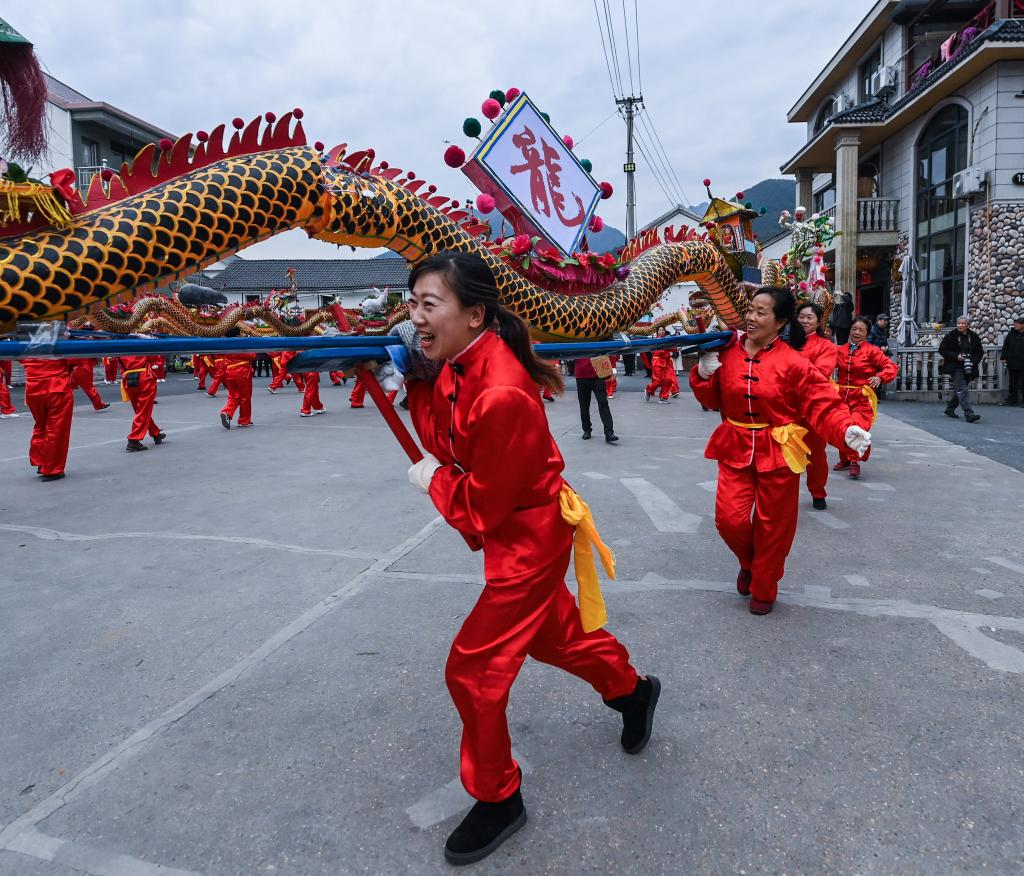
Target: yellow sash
(790, 438)
(576, 513)
(124, 392)
(237, 365)
(872, 398)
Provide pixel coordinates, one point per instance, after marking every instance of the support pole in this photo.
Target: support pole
(628, 108)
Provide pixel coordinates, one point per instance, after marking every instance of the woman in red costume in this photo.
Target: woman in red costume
(495, 474)
(861, 369)
(138, 386)
(764, 389)
(49, 395)
(661, 374)
(821, 353)
(238, 380)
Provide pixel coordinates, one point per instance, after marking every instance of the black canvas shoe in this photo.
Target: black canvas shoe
(952, 414)
(485, 827)
(819, 504)
(135, 446)
(159, 437)
(611, 439)
(225, 421)
(637, 711)
(586, 436)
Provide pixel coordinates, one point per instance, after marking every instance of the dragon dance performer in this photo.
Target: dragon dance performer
(110, 369)
(81, 378)
(215, 368)
(238, 379)
(357, 398)
(861, 369)
(764, 389)
(7, 410)
(494, 472)
(279, 365)
(821, 353)
(311, 404)
(661, 374)
(50, 397)
(138, 386)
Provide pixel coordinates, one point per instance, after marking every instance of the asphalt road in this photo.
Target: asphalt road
(225, 656)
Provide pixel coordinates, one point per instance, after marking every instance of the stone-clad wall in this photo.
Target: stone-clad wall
(995, 270)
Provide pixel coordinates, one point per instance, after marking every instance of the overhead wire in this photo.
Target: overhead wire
(668, 162)
(629, 51)
(600, 124)
(607, 63)
(614, 46)
(653, 168)
(657, 159)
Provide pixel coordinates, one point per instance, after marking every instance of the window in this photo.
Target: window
(328, 300)
(823, 115)
(825, 199)
(90, 153)
(871, 65)
(941, 153)
(252, 298)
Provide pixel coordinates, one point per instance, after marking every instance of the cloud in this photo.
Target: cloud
(717, 79)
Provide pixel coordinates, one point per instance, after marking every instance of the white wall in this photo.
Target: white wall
(59, 150)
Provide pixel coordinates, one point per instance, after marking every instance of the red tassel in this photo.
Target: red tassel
(23, 94)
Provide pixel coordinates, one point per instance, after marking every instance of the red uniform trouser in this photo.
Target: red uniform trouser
(611, 384)
(142, 398)
(311, 393)
(51, 434)
(239, 384)
(863, 416)
(531, 615)
(661, 380)
(6, 407)
(358, 395)
(336, 377)
(756, 514)
(817, 466)
(81, 377)
(218, 378)
(110, 369)
(673, 380)
(281, 375)
(160, 368)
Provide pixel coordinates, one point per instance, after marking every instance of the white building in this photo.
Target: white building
(677, 296)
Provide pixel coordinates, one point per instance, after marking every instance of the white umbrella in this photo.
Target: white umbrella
(906, 333)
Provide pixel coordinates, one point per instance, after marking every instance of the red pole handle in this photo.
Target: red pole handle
(390, 415)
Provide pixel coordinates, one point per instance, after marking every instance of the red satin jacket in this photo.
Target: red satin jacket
(235, 361)
(777, 386)
(821, 353)
(47, 375)
(501, 471)
(867, 361)
(141, 363)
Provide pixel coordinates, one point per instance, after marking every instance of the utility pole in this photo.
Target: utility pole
(628, 107)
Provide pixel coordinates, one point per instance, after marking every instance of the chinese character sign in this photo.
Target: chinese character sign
(527, 167)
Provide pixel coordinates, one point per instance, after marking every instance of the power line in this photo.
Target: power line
(607, 63)
(636, 27)
(668, 161)
(654, 171)
(598, 125)
(660, 164)
(613, 45)
(629, 51)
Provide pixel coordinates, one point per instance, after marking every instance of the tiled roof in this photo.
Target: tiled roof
(65, 94)
(1005, 31)
(313, 275)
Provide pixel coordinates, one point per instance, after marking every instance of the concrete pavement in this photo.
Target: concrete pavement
(225, 656)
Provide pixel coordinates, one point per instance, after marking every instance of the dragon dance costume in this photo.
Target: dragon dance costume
(49, 395)
(500, 485)
(857, 364)
(238, 380)
(82, 378)
(141, 392)
(761, 453)
(821, 353)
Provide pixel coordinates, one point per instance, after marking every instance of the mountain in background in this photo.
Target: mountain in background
(774, 194)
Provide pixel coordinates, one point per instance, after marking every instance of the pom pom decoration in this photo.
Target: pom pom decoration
(588, 165)
(748, 204)
(107, 174)
(471, 127)
(165, 143)
(568, 141)
(485, 203)
(318, 146)
(763, 210)
(622, 272)
(511, 94)
(454, 156)
(706, 182)
(546, 117)
(606, 190)
(270, 117)
(490, 108)
(710, 226)
(498, 95)
(238, 123)
(740, 196)
(298, 113)
(596, 224)
(202, 136)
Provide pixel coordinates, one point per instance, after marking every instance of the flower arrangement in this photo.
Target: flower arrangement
(540, 262)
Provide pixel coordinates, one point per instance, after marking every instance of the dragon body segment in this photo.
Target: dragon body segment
(195, 214)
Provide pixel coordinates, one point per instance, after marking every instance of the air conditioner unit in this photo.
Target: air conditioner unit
(888, 81)
(968, 182)
(843, 103)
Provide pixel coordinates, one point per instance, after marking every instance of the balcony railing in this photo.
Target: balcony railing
(85, 175)
(921, 371)
(878, 214)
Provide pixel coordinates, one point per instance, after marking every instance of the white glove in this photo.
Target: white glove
(857, 439)
(422, 472)
(389, 377)
(708, 364)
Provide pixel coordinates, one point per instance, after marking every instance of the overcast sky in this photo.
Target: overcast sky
(401, 75)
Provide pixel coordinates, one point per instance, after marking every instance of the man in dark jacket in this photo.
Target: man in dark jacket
(879, 337)
(842, 317)
(1012, 357)
(961, 353)
(588, 384)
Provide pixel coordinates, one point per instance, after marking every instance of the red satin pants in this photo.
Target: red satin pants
(82, 378)
(531, 615)
(661, 379)
(860, 408)
(358, 395)
(817, 466)
(311, 393)
(51, 432)
(110, 370)
(142, 398)
(239, 384)
(5, 394)
(756, 514)
(611, 384)
(217, 375)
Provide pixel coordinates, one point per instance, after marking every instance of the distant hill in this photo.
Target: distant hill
(775, 195)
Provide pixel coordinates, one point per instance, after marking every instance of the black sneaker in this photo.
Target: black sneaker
(637, 713)
(485, 827)
(135, 446)
(611, 439)
(952, 414)
(53, 477)
(972, 418)
(225, 421)
(819, 504)
(159, 437)
(586, 436)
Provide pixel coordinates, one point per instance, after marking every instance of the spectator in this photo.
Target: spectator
(841, 318)
(1012, 357)
(879, 337)
(961, 353)
(588, 384)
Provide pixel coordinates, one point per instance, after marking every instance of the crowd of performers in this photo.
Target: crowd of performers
(494, 472)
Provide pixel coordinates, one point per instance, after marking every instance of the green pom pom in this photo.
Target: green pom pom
(587, 164)
(471, 127)
(763, 210)
(546, 117)
(498, 95)
(748, 205)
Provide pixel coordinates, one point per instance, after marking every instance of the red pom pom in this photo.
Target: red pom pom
(411, 175)
(431, 189)
(238, 123)
(706, 182)
(596, 224)
(166, 143)
(606, 190)
(454, 156)
(202, 136)
(568, 141)
(740, 196)
(384, 165)
(318, 146)
(298, 113)
(511, 94)
(107, 174)
(485, 203)
(710, 226)
(490, 108)
(270, 117)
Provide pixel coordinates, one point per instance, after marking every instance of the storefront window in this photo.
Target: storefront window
(941, 153)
